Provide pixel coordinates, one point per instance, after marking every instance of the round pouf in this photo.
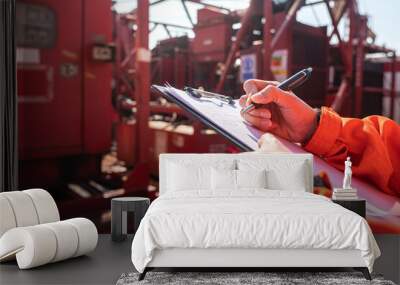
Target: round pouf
(119, 208)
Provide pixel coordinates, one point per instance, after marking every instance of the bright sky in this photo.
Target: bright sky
(383, 16)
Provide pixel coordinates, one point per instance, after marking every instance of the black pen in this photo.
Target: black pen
(291, 83)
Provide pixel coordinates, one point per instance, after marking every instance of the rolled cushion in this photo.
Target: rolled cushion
(26, 208)
(23, 208)
(33, 246)
(45, 205)
(7, 218)
(66, 238)
(87, 235)
(37, 245)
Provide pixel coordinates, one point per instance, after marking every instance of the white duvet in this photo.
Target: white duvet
(250, 219)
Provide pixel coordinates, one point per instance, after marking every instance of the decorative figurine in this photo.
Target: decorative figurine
(346, 192)
(347, 174)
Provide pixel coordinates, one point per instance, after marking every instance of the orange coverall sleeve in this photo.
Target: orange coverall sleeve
(373, 143)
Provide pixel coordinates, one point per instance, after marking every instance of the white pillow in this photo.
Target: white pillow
(227, 179)
(292, 180)
(183, 177)
(223, 179)
(188, 175)
(251, 178)
(282, 174)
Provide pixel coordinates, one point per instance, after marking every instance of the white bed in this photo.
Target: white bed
(200, 220)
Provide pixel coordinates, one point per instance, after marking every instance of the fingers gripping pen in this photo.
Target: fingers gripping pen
(291, 83)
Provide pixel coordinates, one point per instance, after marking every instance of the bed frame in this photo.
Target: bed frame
(246, 258)
(242, 259)
(249, 259)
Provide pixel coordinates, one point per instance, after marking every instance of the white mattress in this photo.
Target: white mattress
(253, 219)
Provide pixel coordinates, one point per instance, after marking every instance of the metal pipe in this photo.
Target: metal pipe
(187, 12)
(340, 16)
(142, 79)
(246, 21)
(350, 47)
(267, 74)
(313, 3)
(341, 95)
(156, 2)
(153, 27)
(288, 20)
(335, 31)
(127, 59)
(392, 86)
(334, 23)
(167, 31)
(359, 67)
(170, 25)
(373, 89)
(245, 24)
(209, 5)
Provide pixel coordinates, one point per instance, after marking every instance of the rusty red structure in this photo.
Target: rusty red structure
(81, 92)
(269, 33)
(64, 85)
(217, 45)
(347, 55)
(169, 128)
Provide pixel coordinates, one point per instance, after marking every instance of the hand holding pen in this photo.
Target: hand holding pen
(278, 111)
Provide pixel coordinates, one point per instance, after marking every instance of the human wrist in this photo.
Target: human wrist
(326, 134)
(313, 126)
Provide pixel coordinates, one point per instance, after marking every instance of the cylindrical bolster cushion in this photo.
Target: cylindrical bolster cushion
(7, 218)
(23, 208)
(67, 240)
(41, 244)
(33, 246)
(87, 235)
(45, 205)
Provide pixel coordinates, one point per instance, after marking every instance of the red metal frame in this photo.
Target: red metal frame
(269, 45)
(351, 86)
(245, 25)
(138, 181)
(359, 66)
(69, 120)
(267, 39)
(393, 86)
(142, 78)
(354, 46)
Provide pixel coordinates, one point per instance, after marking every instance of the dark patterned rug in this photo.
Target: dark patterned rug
(242, 278)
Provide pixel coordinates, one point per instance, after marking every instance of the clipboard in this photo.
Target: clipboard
(211, 112)
(220, 115)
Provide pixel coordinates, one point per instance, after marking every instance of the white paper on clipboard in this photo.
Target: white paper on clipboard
(222, 116)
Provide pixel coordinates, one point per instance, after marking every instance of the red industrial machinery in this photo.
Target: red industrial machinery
(212, 41)
(305, 45)
(264, 41)
(78, 58)
(391, 86)
(169, 129)
(64, 85)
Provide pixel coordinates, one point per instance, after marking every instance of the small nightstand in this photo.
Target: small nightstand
(357, 206)
(119, 208)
